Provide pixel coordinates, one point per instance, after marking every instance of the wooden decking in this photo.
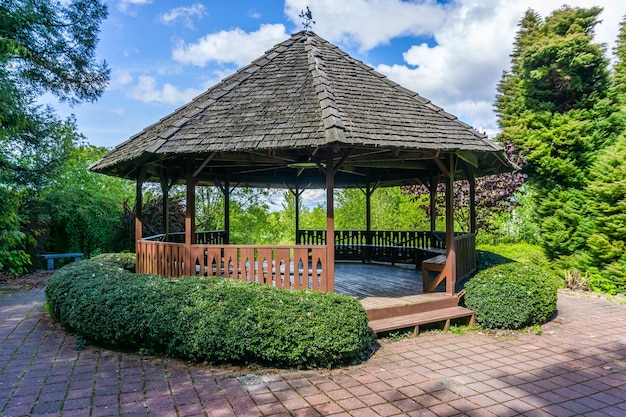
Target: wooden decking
(393, 296)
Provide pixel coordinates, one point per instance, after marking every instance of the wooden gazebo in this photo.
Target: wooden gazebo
(303, 115)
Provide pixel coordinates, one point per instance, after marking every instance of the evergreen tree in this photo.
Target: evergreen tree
(45, 47)
(619, 69)
(554, 105)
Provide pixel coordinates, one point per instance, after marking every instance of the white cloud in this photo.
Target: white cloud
(369, 23)
(473, 45)
(254, 13)
(233, 46)
(147, 91)
(120, 78)
(184, 14)
(126, 5)
(473, 42)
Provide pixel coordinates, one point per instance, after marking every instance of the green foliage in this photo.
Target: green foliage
(619, 68)
(15, 262)
(512, 296)
(80, 210)
(523, 253)
(13, 259)
(208, 319)
(126, 261)
(558, 106)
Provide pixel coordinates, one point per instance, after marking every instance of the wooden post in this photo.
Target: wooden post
(226, 190)
(297, 195)
(433, 208)
(139, 264)
(190, 219)
(368, 251)
(368, 208)
(330, 222)
(165, 189)
(450, 269)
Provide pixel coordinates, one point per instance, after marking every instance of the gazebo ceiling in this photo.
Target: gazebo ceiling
(277, 122)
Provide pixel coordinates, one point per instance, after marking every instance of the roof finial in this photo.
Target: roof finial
(308, 19)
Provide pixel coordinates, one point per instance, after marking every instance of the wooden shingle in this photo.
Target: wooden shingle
(301, 96)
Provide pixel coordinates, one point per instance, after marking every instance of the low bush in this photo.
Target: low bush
(512, 296)
(207, 319)
(122, 260)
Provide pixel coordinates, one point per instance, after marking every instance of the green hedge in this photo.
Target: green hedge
(512, 296)
(207, 319)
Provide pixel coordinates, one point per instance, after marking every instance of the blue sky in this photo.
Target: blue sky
(163, 53)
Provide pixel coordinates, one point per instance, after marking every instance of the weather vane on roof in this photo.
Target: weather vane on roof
(308, 18)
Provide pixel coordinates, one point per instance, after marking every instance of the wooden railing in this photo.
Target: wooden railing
(212, 237)
(465, 248)
(395, 246)
(293, 267)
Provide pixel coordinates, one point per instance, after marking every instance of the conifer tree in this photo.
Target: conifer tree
(554, 105)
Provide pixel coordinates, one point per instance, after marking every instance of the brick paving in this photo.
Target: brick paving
(576, 367)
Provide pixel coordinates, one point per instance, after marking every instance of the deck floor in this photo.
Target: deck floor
(385, 286)
(377, 280)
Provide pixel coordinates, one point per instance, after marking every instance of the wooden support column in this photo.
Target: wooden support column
(297, 192)
(450, 268)
(190, 218)
(433, 208)
(330, 222)
(297, 207)
(368, 208)
(368, 191)
(165, 190)
(140, 266)
(226, 190)
(139, 207)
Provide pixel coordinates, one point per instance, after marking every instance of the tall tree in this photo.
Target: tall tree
(619, 69)
(46, 46)
(554, 105)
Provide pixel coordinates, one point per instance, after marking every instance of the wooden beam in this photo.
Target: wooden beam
(442, 166)
(470, 158)
(203, 164)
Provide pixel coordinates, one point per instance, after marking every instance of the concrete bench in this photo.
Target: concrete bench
(50, 257)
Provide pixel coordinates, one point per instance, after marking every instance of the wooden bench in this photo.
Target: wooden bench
(417, 319)
(50, 257)
(436, 263)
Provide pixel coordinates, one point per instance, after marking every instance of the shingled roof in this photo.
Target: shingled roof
(272, 120)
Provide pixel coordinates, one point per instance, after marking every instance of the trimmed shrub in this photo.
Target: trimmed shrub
(512, 296)
(207, 318)
(123, 260)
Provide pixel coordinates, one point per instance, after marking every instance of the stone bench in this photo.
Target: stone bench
(50, 257)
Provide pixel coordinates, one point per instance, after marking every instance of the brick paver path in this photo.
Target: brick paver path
(576, 367)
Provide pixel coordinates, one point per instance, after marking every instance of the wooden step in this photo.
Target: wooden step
(417, 319)
(384, 307)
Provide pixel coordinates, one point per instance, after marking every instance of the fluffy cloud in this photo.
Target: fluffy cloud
(125, 5)
(369, 23)
(232, 46)
(469, 43)
(184, 14)
(147, 91)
